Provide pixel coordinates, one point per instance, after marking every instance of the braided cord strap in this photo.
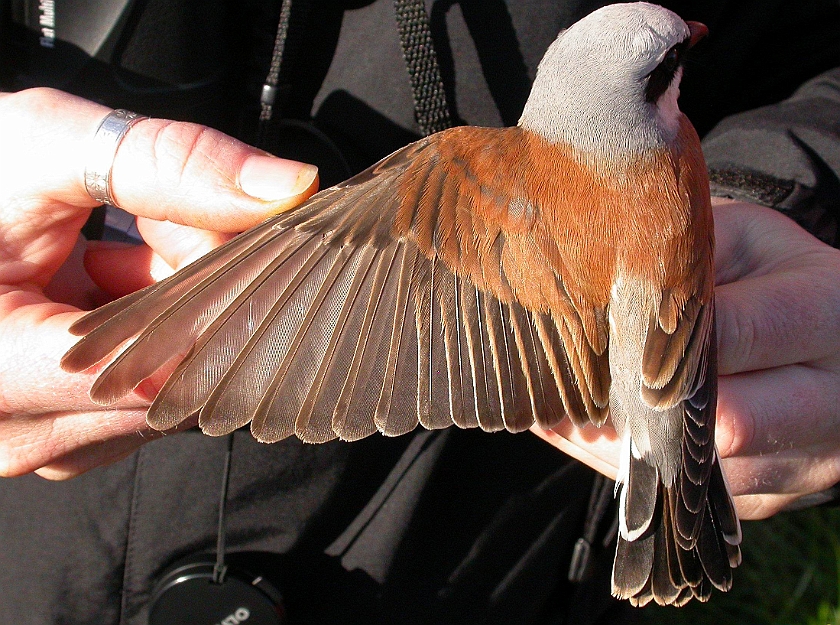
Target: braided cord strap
(269, 92)
(430, 107)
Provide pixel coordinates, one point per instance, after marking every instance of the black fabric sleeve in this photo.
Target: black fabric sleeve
(785, 155)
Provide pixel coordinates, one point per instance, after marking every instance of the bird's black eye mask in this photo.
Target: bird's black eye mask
(660, 78)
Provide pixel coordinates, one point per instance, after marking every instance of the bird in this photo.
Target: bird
(482, 277)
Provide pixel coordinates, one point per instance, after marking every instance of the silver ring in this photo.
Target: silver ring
(104, 147)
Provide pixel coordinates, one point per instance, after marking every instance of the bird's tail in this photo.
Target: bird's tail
(669, 548)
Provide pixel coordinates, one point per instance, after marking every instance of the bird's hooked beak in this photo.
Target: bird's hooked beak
(698, 31)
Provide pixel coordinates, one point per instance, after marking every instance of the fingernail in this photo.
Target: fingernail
(272, 178)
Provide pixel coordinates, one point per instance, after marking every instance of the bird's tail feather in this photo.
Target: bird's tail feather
(657, 564)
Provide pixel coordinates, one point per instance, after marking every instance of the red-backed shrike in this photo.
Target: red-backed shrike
(483, 277)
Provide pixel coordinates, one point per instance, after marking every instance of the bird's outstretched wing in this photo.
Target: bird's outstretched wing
(423, 290)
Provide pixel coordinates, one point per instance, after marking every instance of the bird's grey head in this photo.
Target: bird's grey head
(609, 84)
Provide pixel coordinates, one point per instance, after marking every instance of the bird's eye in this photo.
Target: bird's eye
(660, 78)
(672, 59)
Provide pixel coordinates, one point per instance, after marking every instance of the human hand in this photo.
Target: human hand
(188, 185)
(778, 328)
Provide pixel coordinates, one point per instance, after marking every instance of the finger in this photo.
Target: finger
(99, 446)
(765, 450)
(783, 473)
(165, 170)
(758, 507)
(755, 410)
(72, 284)
(753, 240)
(597, 448)
(28, 444)
(89, 453)
(48, 136)
(31, 379)
(119, 268)
(785, 318)
(177, 245)
(122, 268)
(783, 305)
(184, 172)
(81, 460)
(190, 174)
